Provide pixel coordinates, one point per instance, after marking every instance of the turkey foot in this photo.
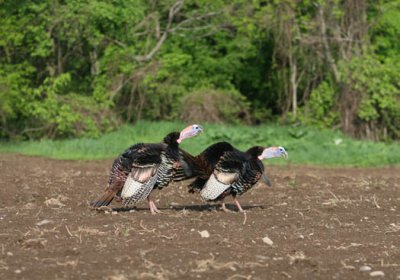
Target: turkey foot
(153, 207)
(223, 207)
(238, 206)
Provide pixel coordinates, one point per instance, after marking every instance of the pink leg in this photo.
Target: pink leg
(238, 206)
(152, 206)
(223, 207)
(155, 207)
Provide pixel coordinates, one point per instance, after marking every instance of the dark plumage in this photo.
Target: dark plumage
(222, 170)
(144, 167)
(200, 166)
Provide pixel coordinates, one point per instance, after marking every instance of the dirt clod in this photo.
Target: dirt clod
(267, 240)
(204, 234)
(377, 273)
(365, 268)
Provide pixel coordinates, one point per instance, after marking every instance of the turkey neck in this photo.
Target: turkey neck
(256, 164)
(172, 151)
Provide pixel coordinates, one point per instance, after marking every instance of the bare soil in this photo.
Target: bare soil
(320, 223)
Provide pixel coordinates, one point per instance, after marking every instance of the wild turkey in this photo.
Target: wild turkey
(222, 170)
(144, 167)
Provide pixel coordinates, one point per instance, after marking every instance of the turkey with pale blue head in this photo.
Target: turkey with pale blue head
(221, 170)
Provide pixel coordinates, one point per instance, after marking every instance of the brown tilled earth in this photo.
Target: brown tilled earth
(314, 223)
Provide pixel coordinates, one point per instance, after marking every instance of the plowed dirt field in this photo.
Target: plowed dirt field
(313, 223)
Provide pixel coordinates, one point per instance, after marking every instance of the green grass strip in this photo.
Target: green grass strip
(305, 145)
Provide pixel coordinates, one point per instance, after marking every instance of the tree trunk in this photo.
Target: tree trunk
(94, 68)
(293, 84)
(327, 48)
(60, 65)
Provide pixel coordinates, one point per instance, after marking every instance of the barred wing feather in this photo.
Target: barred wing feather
(139, 184)
(225, 174)
(218, 183)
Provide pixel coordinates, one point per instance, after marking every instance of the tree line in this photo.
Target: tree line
(81, 67)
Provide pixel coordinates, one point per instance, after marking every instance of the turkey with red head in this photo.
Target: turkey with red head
(222, 170)
(144, 167)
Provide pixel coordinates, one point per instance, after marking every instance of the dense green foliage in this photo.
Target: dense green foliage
(82, 67)
(304, 145)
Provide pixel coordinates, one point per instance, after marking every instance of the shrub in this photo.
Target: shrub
(367, 106)
(49, 110)
(320, 109)
(215, 106)
(378, 113)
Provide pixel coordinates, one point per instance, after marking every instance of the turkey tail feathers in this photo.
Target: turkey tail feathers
(188, 167)
(197, 185)
(105, 199)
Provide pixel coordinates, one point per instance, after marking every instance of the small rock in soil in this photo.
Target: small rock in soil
(377, 273)
(54, 202)
(44, 222)
(204, 234)
(267, 240)
(365, 268)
